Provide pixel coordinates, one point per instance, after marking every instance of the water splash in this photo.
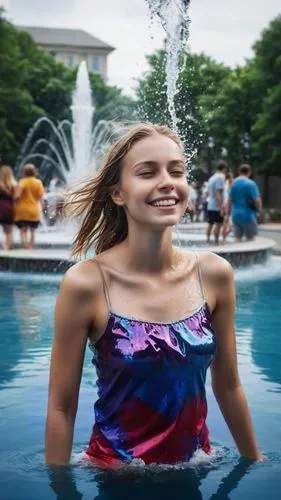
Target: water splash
(260, 272)
(73, 148)
(82, 114)
(174, 17)
(138, 467)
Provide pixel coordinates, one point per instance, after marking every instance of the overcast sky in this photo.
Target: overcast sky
(223, 29)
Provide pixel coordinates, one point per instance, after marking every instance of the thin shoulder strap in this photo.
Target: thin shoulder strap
(200, 275)
(105, 287)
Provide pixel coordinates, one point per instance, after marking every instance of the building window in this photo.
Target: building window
(95, 64)
(70, 60)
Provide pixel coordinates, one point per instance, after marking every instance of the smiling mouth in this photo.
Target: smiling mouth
(164, 203)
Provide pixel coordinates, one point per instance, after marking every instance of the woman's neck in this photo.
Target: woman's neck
(150, 252)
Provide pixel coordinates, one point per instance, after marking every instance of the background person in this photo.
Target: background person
(226, 228)
(199, 205)
(244, 205)
(27, 209)
(8, 194)
(192, 199)
(151, 371)
(53, 201)
(205, 199)
(216, 186)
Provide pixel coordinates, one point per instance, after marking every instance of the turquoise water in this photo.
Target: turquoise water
(26, 312)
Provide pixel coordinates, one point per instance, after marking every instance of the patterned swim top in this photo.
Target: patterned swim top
(151, 389)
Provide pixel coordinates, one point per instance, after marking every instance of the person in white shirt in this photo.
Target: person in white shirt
(205, 199)
(192, 198)
(216, 186)
(226, 229)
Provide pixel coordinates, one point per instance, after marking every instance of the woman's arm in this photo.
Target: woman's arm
(17, 192)
(73, 316)
(225, 378)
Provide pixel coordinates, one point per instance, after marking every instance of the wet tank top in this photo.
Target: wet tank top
(151, 387)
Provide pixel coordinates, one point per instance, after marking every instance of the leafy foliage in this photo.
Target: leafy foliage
(212, 100)
(267, 125)
(199, 76)
(224, 104)
(33, 84)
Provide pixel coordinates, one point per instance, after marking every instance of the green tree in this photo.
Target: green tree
(17, 108)
(230, 113)
(249, 101)
(267, 126)
(199, 75)
(109, 101)
(33, 84)
(213, 100)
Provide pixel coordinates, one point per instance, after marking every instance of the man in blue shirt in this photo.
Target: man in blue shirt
(216, 187)
(244, 204)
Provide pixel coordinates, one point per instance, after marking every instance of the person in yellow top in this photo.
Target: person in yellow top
(27, 210)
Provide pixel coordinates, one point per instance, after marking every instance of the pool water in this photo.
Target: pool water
(26, 312)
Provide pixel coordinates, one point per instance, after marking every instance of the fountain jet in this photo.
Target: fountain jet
(174, 17)
(73, 147)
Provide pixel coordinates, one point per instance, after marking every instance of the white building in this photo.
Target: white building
(71, 46)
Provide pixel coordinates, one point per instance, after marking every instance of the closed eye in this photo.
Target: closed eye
(177, 172)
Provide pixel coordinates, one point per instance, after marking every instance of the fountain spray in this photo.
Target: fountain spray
(74, 147)
(174, 17)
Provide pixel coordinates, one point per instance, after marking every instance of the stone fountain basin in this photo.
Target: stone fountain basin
(53, 249)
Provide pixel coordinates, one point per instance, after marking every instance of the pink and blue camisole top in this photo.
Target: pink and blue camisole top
(151, 388)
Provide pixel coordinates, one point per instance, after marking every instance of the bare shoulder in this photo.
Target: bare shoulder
(83, 279)
(215, 269)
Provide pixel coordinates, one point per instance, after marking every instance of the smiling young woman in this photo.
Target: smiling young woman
(155, 318)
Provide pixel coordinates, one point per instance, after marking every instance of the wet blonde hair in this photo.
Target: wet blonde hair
(104, 224)
(7, 179)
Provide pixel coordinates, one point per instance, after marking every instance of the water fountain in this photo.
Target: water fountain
(73, 148)
(175, 21)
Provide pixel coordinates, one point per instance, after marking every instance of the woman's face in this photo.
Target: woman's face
(153, 188)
